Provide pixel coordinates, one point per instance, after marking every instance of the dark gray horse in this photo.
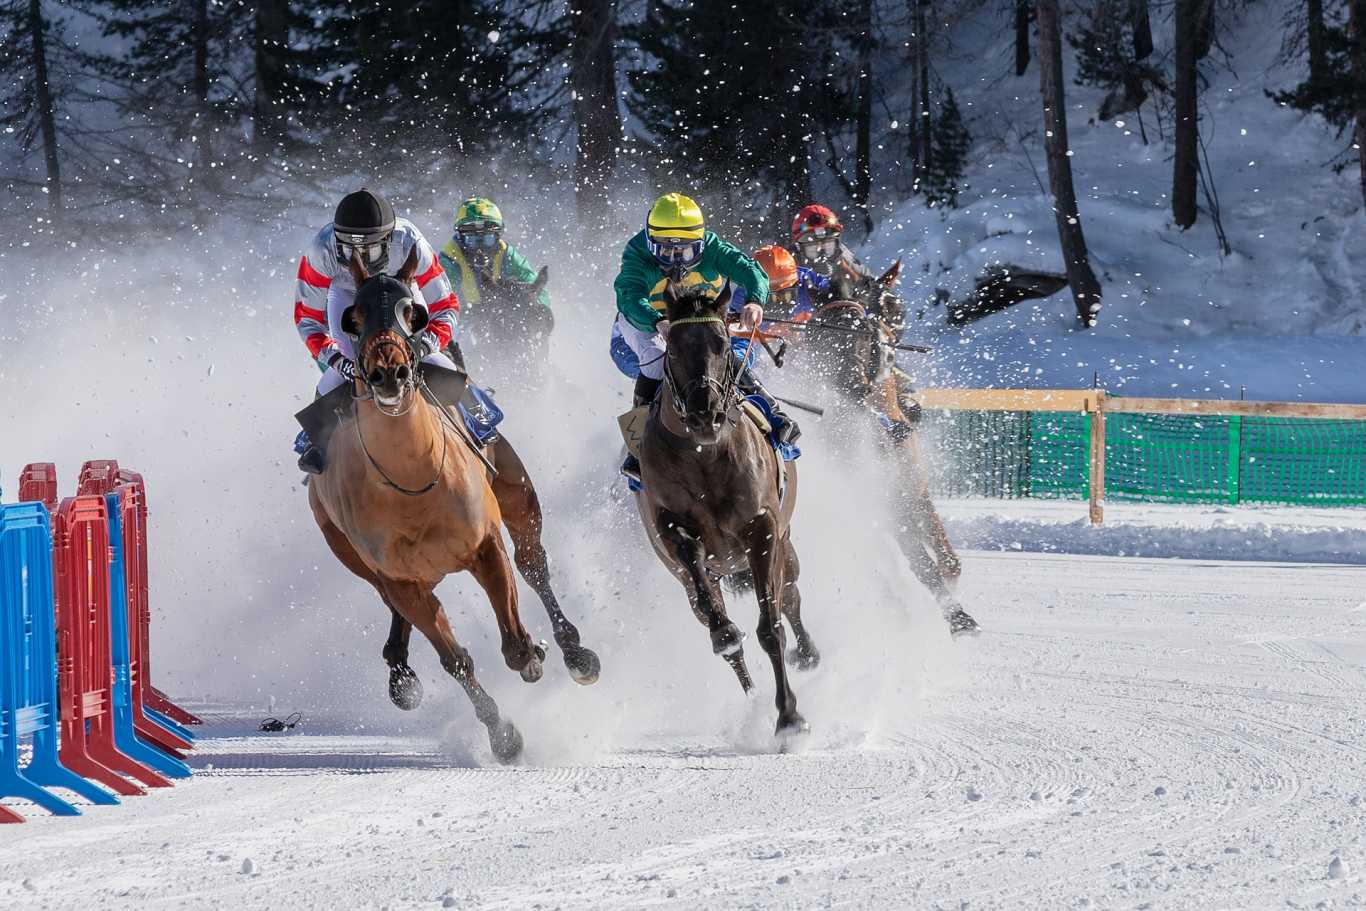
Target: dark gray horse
(717, 501)
(852, 347)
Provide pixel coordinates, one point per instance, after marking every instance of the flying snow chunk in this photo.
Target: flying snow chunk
(494, 36)
(1337, 868)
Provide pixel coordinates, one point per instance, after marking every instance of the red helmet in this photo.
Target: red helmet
(814, 218)
(779, 265)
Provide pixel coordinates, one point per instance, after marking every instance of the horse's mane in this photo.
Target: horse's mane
(695, 300)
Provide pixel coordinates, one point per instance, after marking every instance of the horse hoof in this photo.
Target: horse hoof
(532, 670)
(506, 742)
(961, 623)
(727, 640)
(405, 688)
(583, 664)
(803, 659)
(795, 726)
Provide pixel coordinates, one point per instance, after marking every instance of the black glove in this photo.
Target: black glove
(343, 365)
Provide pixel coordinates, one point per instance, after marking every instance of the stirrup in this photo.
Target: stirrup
(630, 468)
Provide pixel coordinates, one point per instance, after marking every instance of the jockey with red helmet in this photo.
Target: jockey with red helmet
(817, 243)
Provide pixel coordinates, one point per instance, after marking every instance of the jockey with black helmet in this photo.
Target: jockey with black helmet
(364, 225)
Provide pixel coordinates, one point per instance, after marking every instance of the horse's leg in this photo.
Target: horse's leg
(420, 607)
(405, 689)
(767, 545)
(704, 594)
(927, 570)
(936, 538)
(521, 510)
(493, 571)
(804, 656)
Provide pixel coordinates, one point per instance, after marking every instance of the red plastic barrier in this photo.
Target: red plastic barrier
(84, 672)
(140, 611)
(38, 484)
(102, 477)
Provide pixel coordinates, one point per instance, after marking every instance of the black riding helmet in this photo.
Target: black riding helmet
(364, 221)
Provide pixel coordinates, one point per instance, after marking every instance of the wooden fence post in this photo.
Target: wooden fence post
(1097, 408)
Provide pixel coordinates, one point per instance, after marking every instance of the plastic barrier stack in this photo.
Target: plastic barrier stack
(75, 698)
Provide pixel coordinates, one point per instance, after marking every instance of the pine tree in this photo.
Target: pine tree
(734, 96)
(943, 179)
(435, 77)
(30, 95)
(1108, 45)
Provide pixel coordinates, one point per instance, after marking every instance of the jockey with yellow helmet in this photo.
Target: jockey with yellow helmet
(676, 246)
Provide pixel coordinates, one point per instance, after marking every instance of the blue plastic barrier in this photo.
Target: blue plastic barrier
(125, 737)
(28, 667)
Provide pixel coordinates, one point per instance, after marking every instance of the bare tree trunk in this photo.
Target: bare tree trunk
(1317, 40)
(1022, 11)
(1143, 30)
(204, 122)
(272, 38)
(1356, 30)
(47, 119)
(1085, 288)
(1185, 162)
(922, 31)
(593, 75)
(1204, 32)
(863, 149)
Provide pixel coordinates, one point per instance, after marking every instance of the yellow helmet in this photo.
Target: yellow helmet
(674, 231)
(674, 216)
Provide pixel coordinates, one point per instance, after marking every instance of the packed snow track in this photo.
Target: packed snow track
(1130, 733)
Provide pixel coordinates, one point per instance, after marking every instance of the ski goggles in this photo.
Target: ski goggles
(675, 251)
(786, 296)
(478, 234)
(823, 242)
(370, 248)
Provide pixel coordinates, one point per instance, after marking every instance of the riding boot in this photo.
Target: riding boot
(645, 392)
(785, 430)
(319, 420)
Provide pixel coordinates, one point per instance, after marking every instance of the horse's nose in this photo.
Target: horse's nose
(376, 377)
(402, 373)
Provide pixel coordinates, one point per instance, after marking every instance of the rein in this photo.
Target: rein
(407, 492)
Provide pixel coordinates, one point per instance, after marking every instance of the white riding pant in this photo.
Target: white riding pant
(337, 302)
(649, 348)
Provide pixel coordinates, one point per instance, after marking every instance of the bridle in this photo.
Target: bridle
(724, 389)
(407, 400)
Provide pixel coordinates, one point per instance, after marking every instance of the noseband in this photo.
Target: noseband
(724, 389)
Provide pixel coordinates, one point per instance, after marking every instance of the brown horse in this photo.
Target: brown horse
(717, 501)
(406, 501)
(852, 347)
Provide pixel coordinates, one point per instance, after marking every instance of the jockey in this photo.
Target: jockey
(479, 255)
(795, 290)
(675, 245)
(818, 244)
(364, 224)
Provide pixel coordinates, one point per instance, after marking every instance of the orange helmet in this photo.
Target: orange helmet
(780, 266)
(812, 219)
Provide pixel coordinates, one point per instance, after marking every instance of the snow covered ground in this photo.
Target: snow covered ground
(1132, 733)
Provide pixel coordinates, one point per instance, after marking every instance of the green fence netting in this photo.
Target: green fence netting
(1150, 457)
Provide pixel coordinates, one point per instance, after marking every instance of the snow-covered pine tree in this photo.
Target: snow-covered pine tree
(943, 178)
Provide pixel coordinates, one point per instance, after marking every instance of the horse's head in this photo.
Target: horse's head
(384, 323)
(517, 304)
(850, 348)
(699, 366)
